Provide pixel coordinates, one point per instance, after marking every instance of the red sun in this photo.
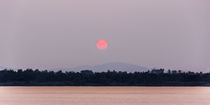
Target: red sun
(101, 44)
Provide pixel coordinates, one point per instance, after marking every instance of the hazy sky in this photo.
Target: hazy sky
(49, 34)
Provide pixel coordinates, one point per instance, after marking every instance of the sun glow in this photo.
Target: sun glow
(102, 44)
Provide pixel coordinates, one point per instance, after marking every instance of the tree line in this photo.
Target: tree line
(156, 77)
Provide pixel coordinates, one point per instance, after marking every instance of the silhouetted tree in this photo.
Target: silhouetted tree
(156, 77)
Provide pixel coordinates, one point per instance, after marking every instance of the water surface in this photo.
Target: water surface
(104, 95)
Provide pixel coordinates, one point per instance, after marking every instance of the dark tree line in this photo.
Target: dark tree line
(157, 77)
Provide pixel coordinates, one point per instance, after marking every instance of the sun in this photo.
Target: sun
(102, 44)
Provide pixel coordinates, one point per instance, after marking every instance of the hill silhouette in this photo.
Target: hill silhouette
(117, 66)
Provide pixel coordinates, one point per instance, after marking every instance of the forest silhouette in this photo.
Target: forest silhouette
(155, 77)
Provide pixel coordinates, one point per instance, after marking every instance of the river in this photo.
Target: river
(104, 95)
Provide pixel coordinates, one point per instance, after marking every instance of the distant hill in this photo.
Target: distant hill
(111, 67)
(2, 68)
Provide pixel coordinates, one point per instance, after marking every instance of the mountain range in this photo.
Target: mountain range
(110, 66)
(117, 66)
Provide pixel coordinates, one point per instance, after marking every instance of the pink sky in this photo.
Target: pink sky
(154, 33)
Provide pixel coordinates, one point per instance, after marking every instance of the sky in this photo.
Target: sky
(47, 34)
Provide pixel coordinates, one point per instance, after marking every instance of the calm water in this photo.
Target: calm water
(104, 95)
